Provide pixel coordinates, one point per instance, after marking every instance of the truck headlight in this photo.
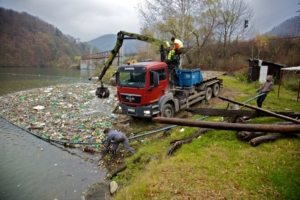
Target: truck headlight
(147, 112)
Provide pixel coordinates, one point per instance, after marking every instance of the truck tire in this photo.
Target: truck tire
(208, 93)
(216, 89)
(167, 111)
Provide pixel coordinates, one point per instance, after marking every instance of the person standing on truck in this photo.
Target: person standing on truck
(114, 138)
(173, 58)
(176, 49)
(264, 90)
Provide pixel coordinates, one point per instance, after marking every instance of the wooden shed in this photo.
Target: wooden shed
(259, 69)
(295, 70)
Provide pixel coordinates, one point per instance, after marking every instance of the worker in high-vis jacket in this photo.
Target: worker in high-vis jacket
(176, 48)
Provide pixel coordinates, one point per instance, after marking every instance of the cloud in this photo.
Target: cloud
(86, 19)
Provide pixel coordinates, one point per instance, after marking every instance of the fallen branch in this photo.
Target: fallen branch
(177, 143)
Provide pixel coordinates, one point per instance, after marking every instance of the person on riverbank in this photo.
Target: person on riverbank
(114, 138)
(264, 90)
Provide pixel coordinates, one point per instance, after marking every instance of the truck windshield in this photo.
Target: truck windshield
(132, 79)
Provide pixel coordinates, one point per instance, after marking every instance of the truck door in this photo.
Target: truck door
(155, 92)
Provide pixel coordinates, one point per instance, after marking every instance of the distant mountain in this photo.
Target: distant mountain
(288, 28)
(28, 41)
(107, 43)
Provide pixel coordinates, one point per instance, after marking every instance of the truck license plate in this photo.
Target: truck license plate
(131, 110)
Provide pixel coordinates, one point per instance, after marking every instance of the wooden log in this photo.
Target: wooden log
(246, 135)
(265, 138)
(234, 113)
(177, 143)
(262, 110)
(231, 126)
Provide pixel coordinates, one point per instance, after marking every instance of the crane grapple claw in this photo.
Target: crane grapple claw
(102, 92)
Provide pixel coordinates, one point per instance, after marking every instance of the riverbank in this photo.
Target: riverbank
(216, 165)
(33, 169)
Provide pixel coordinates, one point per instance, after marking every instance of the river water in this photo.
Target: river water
(14, 79)
(34, 169)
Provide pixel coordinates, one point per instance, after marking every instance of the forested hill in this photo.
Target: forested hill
(28, 41)
(290, 27)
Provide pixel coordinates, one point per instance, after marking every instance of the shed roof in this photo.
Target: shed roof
(296, 68)
(265, 62)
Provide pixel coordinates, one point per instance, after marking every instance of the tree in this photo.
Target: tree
(261, 42)
(233, 14)
(168, 17)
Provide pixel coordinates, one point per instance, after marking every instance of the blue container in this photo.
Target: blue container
(188, 77)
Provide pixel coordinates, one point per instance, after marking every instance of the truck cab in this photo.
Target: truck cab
(140, 87)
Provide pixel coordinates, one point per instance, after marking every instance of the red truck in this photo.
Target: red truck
(147, 89)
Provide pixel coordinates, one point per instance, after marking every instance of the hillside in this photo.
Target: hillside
(28, 41)
(107, 42)
(290, 27)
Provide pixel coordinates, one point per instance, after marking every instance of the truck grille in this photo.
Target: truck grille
(131, 98)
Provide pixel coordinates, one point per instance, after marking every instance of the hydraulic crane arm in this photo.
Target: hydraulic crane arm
(103, 92)
(121, 36)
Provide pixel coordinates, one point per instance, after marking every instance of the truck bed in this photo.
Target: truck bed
(209, 75)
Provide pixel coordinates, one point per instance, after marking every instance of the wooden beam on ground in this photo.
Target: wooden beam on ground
(234, 113)
(262, 110)
(231, 126)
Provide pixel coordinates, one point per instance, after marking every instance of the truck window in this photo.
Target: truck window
(132, 79)
(161, 74)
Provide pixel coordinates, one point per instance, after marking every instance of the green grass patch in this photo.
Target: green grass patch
(217, 165)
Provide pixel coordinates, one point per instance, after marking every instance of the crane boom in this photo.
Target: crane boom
(121, 36)
(103, 92)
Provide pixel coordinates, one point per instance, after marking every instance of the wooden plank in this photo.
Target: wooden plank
(262, 110)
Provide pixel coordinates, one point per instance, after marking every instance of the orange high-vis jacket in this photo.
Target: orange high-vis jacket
(177, 44)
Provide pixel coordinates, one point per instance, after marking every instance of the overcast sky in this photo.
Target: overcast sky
(89, 19)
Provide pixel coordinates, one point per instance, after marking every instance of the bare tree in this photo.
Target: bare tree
(168, 17)
(233, 14)
(205, 22)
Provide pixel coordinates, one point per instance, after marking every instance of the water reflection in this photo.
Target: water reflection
(14, 79)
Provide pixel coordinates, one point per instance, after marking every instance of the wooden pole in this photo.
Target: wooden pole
(298, 96)
(262, 110)
(230, 126)
(280, 80)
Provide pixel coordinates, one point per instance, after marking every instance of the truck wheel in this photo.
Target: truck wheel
(216, 89)
(167, 111)
(208, 93)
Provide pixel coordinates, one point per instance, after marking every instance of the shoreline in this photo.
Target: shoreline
(69, 113)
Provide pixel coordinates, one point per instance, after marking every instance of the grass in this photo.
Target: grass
(217, 165)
